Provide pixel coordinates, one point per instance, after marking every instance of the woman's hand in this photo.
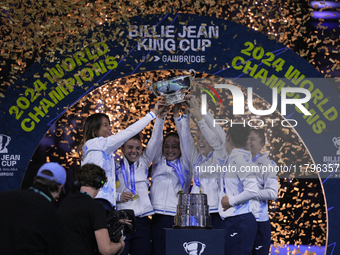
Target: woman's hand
(195, 107)
(159, 107)
(125, 196)
(225, 203)
(176, 109)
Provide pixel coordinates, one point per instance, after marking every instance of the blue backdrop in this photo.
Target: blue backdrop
(171, 41)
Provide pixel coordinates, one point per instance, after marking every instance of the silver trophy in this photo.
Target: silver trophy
(173, 90)
(192, 211)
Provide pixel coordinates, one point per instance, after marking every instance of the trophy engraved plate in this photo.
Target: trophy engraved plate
(172, 90)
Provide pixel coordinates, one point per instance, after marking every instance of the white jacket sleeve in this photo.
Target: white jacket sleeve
(183, 130)
(159, 150)
(194, 154)
(213, 140)
(271, 184)
(152, 149)
(118, 197)
(209, 119)
(250, 191)
(112, 143)
(270, 190)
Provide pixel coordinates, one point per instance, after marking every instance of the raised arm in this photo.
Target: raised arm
(194, 154)
(159, 124)
(154, 148)
(209, 135)
(184, 133)
(183, 128)
(114, 142)
(217, 129)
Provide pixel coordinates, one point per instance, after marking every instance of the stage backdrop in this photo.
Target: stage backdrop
(169, 42)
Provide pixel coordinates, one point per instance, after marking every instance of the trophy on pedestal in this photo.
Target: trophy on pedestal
(173, 90)
(192, 212)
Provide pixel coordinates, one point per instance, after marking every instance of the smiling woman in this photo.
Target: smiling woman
(171, 147)
(132, 148)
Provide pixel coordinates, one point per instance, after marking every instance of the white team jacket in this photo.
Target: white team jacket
(206, 180)
(142, 205)
(268, 186)
(99, 151)
(239, 185)
(164, 181)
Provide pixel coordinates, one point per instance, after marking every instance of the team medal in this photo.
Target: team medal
(117, 184)
(132, 179)
(201, 191)
(179, 172)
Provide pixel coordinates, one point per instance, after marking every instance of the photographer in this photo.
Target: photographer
(28, 220)
(85, 219)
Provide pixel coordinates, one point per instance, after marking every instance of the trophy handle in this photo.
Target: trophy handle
(149, 86)
(185, 246)
(146, 83)
(192, 71)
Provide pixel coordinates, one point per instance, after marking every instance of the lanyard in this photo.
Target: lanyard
(226, 164)
(178, 169)
(41, 193)
(197, 163)
(256, 157)
(132, 176)
(84, 192)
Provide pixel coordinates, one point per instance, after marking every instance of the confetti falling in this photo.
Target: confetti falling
(32, 30)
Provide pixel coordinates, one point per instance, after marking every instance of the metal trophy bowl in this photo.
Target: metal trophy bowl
(173, 90)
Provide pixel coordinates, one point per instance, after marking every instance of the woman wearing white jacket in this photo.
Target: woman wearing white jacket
(170, 176)
(268, 188)
(132, 185)
(237, 187)
(207, 160)
(99, 146)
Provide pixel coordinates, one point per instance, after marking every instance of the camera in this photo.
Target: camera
(116, 226)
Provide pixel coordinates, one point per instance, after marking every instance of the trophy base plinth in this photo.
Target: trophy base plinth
(191, 227)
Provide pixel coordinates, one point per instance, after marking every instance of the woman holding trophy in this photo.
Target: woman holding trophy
(210, 151)
(170, 168)
(170, 177)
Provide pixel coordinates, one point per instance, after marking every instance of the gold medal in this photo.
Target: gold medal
(225, 195)
(180, 192)
(201, 191)
(117, 184)
(134, 197)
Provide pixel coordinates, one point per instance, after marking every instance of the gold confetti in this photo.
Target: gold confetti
(38, 29)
